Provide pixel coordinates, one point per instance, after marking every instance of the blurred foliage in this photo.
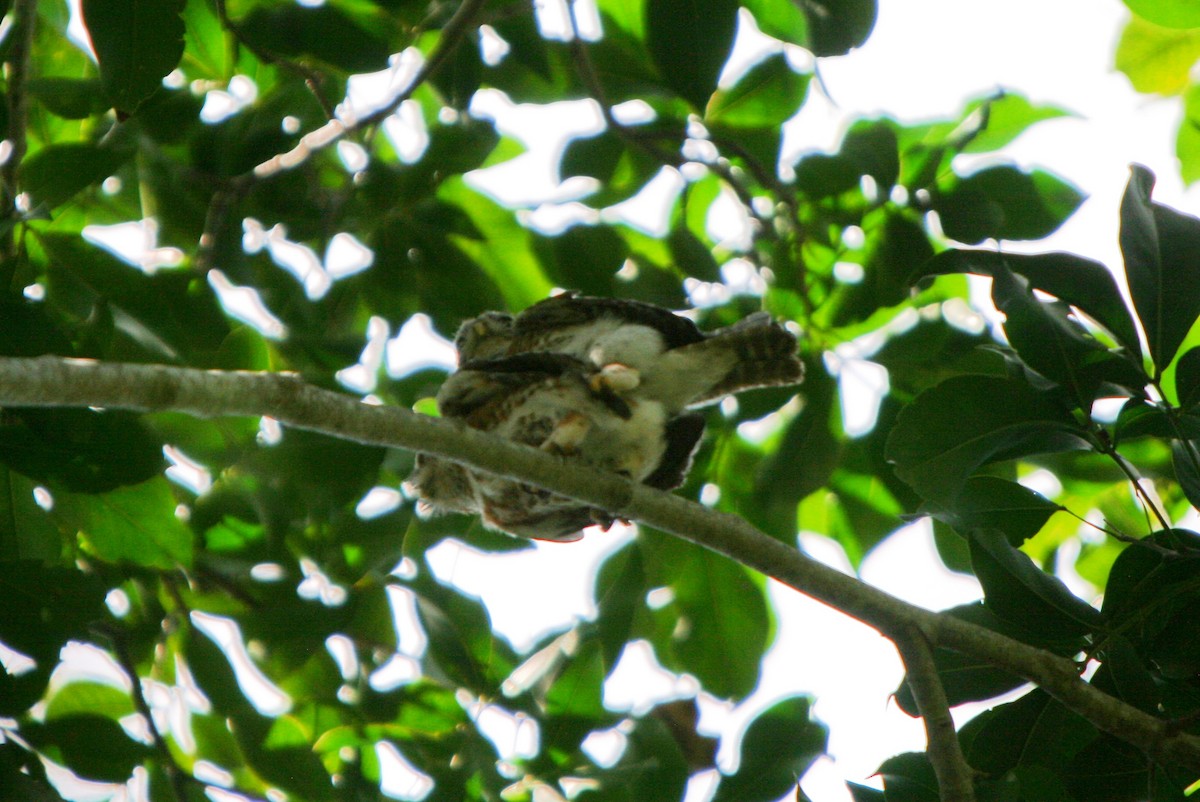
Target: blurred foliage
(197, 133)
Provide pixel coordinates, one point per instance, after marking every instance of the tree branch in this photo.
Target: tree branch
(57, 382)
(955, 782)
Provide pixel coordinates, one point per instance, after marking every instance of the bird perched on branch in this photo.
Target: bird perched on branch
(563, 406)
(601, 381)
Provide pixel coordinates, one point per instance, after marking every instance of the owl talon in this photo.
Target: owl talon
(615, 378)
(567, 435)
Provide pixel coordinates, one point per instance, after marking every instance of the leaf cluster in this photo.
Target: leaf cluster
(109, 536)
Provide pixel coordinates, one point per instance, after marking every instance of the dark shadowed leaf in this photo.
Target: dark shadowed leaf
(54, 174)
(94, 747)
(1185, 455)
(909, 777)
(137, 42)
(71, 98)
(836, 27)
(992, 502)
(1004, 202)
(1017, 590)
(78, 449)
(1162, 263)
(1057, 346)
(1035, 730)
(323, 32)
(965, 422)
(777, 749)
(1081, 282)
(1187, 379)
(689, 41)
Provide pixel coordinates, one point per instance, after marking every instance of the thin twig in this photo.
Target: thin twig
(57, 382)
(954, 775)
(335, 130)
(177, 778)
(24, 15)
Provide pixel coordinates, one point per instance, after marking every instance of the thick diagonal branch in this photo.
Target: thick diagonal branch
(52, 381)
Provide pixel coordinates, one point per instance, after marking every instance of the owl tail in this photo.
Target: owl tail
(755, 352)
(765, 356)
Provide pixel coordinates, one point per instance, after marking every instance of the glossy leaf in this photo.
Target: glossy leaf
(969, 421)
(1162, 264)
(1035, 730)
(137, 42)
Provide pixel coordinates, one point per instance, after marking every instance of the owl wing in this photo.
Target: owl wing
(683, 436)
(482, 388)
(571, 309)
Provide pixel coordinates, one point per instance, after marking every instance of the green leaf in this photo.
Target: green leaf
(966, 422)
(689, 42)
(1157, 59)
(1185, 456)
(1034, 730)
(717, 626)
(1123, 674)
(325, 33)
(70, 98)
(135, 524)
(137, 42)
(909, 777)
(1187, 140)
(1081, 282)
(768, 95)
(781, 19)
(995, 503)
(1017, 590)
(836, 27)
(26, 531)
(1171, 13)
(82, 697)
(1004, 202)
(43, 608)
(1057, 346)
(1187, 379)
(56, 173)
(1007, 117)
(78, 449)
(94, 747)
(1162, 263)
(777, 749)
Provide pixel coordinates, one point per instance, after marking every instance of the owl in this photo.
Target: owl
(661, 354)
(605, 382)
(563, 406)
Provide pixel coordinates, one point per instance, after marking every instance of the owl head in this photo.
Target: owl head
(483, 337)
